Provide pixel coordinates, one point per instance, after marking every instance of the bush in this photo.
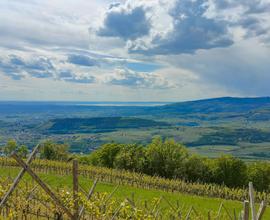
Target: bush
(105, 155)
(259, 174)
(197, 169)
(22, 151)
(10, 146)
(230, 171)
(166, 159)
(54, 151)
(131, 157)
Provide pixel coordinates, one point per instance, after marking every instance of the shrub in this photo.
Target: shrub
(105, 155)
(197, 169)
(131, 157)
(54, 151)
(230, 171)
(10, 146)
(166, 159)
(259, 174)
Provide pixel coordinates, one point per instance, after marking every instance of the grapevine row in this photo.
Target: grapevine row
(30, 202)
(122, 177)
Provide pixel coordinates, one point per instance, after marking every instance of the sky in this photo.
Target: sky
(134, 50)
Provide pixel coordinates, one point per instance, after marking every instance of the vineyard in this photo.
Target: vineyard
(139, 180)
(30, 201)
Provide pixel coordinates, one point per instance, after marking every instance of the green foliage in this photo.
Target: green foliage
(10, 147)
(106, 155)
(22, 151)
(171, 160)
(230, 171)
(166, 159)
(131, 157)
(54, 151)
(163, 158)
(259, 174)
(197, 169)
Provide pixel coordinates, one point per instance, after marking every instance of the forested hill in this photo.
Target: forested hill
(102, 124)
(218, 105)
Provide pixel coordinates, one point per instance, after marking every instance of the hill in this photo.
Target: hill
(217, 105)
(99, 124)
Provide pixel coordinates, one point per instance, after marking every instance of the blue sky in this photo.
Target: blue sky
(137, 50)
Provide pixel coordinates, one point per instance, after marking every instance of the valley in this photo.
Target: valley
(237, 126)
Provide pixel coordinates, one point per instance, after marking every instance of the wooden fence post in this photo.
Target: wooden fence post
(88, 197)
(18, 178)
(261, 210)
(246, 210)
(208, 215)
(42, 184)
(252, 201)
(75, 189)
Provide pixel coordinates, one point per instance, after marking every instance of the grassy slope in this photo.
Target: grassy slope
(202, 204)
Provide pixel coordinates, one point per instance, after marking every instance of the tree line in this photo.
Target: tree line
(164, 158)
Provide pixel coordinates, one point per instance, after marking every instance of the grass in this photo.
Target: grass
(202, 204)
(244, 150)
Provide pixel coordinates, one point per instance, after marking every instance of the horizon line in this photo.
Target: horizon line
(106, 101)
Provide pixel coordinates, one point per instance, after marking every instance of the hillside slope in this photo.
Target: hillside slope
(218, 105)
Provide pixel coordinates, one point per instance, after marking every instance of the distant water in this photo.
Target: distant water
(122, 103)
(71, 103)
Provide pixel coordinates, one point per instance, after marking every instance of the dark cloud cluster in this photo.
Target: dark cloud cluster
(191, 31)
(126, 23)
(192, 28)
(17, 67)
(81, 60)
(11, 71)
(82, 80)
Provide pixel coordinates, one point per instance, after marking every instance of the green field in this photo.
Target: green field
(202, 204)
(246, 151)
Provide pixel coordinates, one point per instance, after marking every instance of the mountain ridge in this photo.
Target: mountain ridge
(222, 104)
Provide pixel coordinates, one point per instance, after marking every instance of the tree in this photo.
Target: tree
(22, 151)
(105, 156)
(166, 159)
(10, 147)
(230, 171)
(54, 151)
(197, 169)
(131, 157)
(259, 174)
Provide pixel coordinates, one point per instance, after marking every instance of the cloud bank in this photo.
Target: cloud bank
(167, 50)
